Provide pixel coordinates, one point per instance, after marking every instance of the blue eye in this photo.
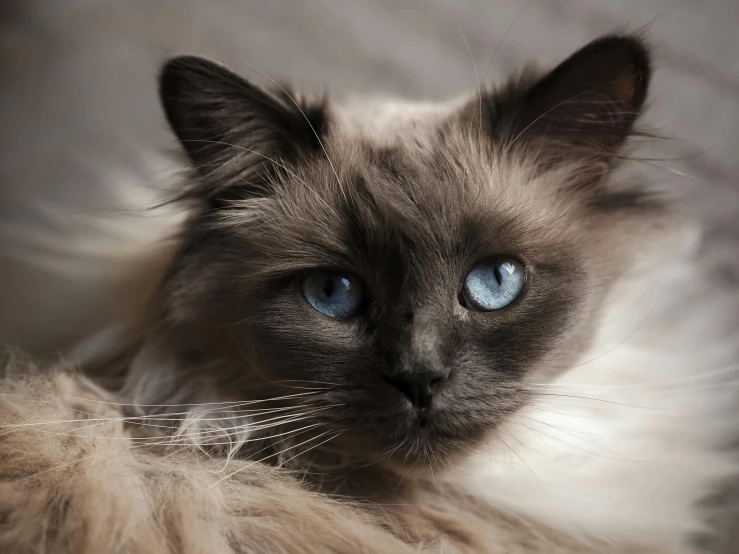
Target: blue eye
(333, 293)
(494, 284)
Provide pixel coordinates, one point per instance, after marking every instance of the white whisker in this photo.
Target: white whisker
(266, 458)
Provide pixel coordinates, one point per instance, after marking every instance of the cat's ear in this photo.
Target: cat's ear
(586, 106)
(227, 126)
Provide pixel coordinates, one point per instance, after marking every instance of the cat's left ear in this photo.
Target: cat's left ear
(586, 106)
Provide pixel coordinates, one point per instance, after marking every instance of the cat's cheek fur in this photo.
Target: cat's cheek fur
(627, 442)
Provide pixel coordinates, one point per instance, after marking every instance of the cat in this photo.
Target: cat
(395, 327)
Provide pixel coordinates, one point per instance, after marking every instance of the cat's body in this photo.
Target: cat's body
(586, 415)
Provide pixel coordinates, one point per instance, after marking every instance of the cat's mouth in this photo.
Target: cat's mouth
(429, 439)
(424, 434)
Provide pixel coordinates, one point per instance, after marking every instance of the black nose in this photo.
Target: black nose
(418, 386)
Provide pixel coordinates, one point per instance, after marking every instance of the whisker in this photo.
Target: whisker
(157, 417)
(565, 414)
(593, 399)
(251, 426)
(304, 381)
(266, 424)
(569, 432)
(701, 388)
(730, 369)
(479, 85)
(618, 459)
(520, 458)
(79, 431)
(634, 332)
(266, 458)
(244, 441)
(137, 405)
(304, 452)
(535, 431)
(58, 467)
(505, 35)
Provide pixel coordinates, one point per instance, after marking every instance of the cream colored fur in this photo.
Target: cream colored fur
(627, 443)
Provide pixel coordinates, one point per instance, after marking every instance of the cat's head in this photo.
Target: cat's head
(408, 269)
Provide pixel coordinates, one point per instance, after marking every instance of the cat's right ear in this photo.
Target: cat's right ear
(231, 129)
(585, 107)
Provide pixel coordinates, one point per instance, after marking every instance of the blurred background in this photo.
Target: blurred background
(84, 146)
(83, 142)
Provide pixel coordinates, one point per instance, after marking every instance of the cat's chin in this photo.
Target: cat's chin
(418, 451)
(423, 456)
(425, 448)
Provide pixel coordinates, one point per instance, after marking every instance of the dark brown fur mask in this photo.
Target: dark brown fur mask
(386, 216)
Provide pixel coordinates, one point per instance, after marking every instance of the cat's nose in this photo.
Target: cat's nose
(418, 386)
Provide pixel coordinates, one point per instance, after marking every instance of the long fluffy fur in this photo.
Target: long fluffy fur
(629, 441)
(83, 485)
(75, 478)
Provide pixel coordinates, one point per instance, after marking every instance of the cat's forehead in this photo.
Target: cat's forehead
(425, 192)
(438, 158)
(427, 169)
(391, 122)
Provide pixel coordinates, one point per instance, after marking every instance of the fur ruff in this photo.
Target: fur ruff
(75, 478)
(627, 443)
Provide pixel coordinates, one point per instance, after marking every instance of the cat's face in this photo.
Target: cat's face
(410, 275)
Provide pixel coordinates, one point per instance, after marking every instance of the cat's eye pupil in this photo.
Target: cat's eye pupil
(328, 287)
(493, 285)
(336, 294)
(498, 277)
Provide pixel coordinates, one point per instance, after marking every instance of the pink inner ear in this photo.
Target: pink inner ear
(625, 89)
